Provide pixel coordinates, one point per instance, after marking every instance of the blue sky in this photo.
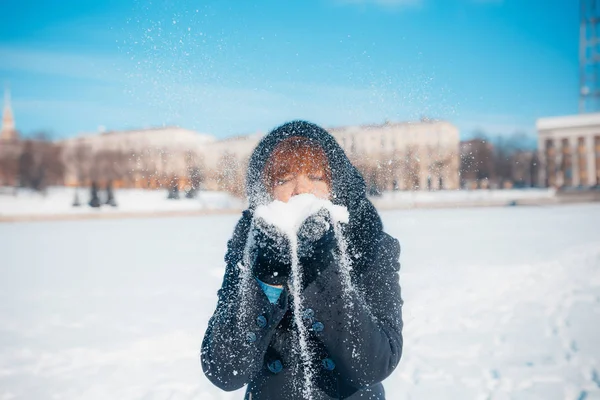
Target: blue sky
(237, 67)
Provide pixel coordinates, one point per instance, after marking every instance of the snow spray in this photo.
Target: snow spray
(246, 273)
(345, 264)
(305, 352)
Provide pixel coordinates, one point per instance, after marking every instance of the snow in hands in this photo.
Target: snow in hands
(288, 217)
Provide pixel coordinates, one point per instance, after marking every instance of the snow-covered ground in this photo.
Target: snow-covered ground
(440, 198)
(59, 201)
(501, 303)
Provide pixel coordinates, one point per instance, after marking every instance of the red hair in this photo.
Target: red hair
(295, 155)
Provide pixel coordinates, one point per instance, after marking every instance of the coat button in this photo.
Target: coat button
(251, 337)
(275, 366)
(308, 313)
(261, 321)
(328, 364)
(318, 326)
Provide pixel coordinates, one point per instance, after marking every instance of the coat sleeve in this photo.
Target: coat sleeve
(236, 340)
(363, 340)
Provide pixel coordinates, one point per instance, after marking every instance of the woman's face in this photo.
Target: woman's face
(300, 183)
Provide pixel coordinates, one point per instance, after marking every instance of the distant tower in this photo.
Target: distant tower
(589, 56)
(8, 131)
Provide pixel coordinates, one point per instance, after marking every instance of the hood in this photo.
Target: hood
(348, 186)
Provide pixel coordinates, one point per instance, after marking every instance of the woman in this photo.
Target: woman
(353, 345)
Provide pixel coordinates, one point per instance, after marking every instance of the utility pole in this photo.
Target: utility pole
(589, 56)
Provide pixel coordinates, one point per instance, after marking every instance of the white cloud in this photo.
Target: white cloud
(487, 1)
(383, 3)
(73, 65)
(495, 124)
(120, 93)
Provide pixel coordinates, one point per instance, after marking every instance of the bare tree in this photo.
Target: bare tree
(110, 166)
(194, 165)
(79, 157)
(509, 151)
(145, 168)
(411, 166)
(27, 165)
(477, 161)
(9, 164)
(502, 160)
(437, 171)
(121, 166)
(230, 171)
(53, 164)
(40, 163)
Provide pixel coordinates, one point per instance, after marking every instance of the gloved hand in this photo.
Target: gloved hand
(270, 254)
(317, 245)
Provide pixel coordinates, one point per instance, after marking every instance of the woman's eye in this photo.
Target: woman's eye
(316, 178)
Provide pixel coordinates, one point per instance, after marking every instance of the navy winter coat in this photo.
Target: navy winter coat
(352, 354)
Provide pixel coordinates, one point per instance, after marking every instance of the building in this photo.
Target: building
(33, 162)
(139, 158)
(391, 156)
(569, 150)
(8, 132)
(10, 145)
(226, 161)
(404, 156)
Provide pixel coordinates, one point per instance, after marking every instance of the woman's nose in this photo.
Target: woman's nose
(303, 185)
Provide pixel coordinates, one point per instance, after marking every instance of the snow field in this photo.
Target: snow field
(500, 303)
(59, 201)
(425, 198)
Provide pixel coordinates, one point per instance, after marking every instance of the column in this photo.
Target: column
(582, 161)
(551, 162)
(396, 168)
(423, 168)
(597, 158)
(451, 179)
(542, 163)
(573, 149)
(559, 163)
(591, 159)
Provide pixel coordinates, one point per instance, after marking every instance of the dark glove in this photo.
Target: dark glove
(270, 254)
(317, 246)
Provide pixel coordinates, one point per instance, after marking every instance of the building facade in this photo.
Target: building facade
(569, 150)
(10, 145)
(404, 156)
(391, 156)
(226, 161)
(8, 132)
(134, 158)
